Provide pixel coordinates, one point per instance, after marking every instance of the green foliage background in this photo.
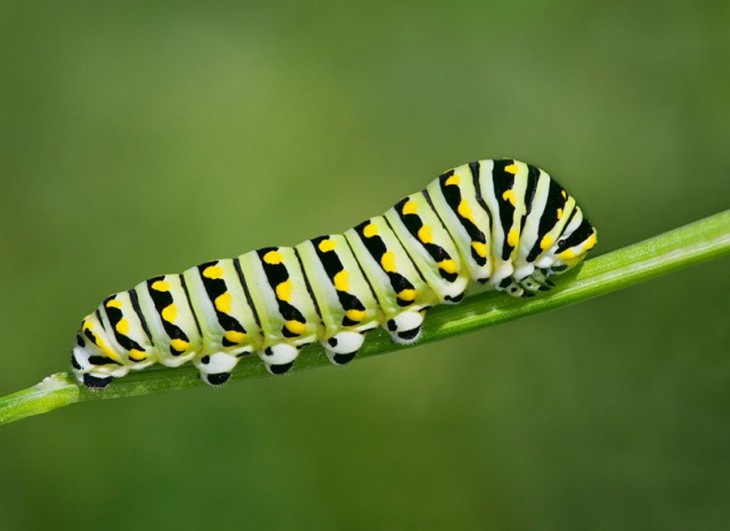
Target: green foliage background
(143, 137)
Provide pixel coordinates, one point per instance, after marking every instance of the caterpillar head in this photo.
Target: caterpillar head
(571, 248)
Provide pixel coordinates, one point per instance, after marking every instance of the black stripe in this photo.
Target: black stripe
(433, 208)
(161, 300)
(415, 265)
(214, 288)
(138, 310)
(532, 176)
(580, 234)
(414, 223)
(190, 304)
(481, 234)
(475, 174)
(276, 274)
(330, 260)
(249, 300)
(549, 216)
(306, 283)
(332, 265)
(101, 321)
(453, 197)
(115, 315)
(102, 360)
(377, 248)
(502, 181)
(362, 271)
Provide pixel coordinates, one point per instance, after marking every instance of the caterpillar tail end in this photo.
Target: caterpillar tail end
(93, 371)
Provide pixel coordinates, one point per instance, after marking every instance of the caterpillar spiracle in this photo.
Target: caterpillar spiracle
(501, 222)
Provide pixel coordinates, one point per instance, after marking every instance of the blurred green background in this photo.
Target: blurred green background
(143, 137)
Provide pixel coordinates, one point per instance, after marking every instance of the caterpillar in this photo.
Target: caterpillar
(504, 223)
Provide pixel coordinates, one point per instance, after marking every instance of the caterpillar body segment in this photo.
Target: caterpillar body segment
(345, 300)
(501, 222)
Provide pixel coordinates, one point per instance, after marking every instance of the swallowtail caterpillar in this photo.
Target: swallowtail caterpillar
(500, 222)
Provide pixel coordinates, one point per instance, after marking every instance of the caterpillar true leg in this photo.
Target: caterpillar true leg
(501, 222)
(532, 285)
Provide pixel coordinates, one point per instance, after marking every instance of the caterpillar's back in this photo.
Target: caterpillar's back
(501, 222)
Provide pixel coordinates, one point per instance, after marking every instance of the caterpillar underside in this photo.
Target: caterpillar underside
(501, 222)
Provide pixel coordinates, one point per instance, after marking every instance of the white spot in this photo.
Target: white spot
(545, 262)
(523, 271)
(347, 343)
(406, 322)
(279, 354)
(82, 358)
(118, 371)
(502, 271)
(218, 362)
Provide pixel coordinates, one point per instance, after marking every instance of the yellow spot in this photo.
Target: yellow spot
(591, 241)
(283, 290)
(114, 303)
(109, 353)
(340, 281)
(86, 325)
(370, 230)
(513, 237)
(464, 210)
(122, 326)
(448, 265)
(409, 207)
(179, 345)
(480, 248)
(407, 295)
(562, 192)
(424, 234)
(567, 254)
(453, 180)
(546, 242)
(234, 336)
(273, 257)
(169, 313)
(214, 272)
(388, 261)
(355, 315)
(512, 168)
(327, 245)
(223, 303)
(161, 285)
(137, 355)
(560, 213)
(509, 195)
(295, 327)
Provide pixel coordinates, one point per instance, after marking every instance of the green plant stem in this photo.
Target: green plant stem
(697, 242)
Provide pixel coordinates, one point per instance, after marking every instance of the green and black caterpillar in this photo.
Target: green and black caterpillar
(501, 222)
